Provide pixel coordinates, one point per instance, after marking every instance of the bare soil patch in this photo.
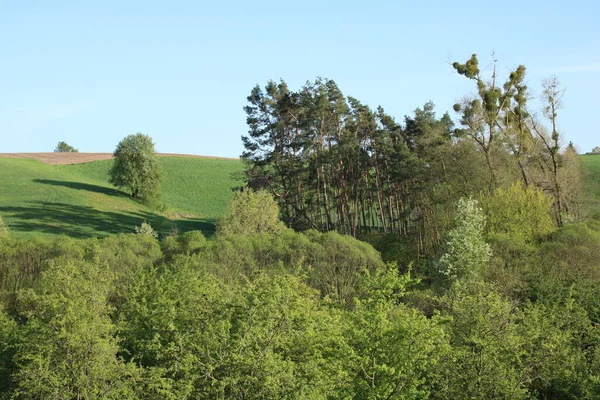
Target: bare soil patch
(79, 158)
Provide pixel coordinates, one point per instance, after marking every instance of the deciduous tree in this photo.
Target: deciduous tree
(136, 167)
(63, 147)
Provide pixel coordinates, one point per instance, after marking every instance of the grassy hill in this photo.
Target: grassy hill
(78, 201)
(590, 164)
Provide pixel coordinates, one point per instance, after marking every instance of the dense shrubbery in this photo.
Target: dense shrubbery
(296, 315)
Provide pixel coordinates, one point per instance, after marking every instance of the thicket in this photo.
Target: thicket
(300, 315)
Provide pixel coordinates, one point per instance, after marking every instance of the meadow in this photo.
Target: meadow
(590, 166)
(77, 200)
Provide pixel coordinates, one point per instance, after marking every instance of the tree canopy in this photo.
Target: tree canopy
(136, 167)
(63, 147)
(251, 213)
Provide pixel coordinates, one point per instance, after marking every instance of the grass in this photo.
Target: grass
(590, 165)
(77, 200)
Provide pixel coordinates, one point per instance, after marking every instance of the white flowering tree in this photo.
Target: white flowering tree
(466, 249)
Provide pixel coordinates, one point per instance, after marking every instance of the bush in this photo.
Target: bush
(145, 229)
(518, 211)
(189, 243)
(251, 213)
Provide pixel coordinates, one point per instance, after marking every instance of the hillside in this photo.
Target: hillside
(78, 201)
(590, 165)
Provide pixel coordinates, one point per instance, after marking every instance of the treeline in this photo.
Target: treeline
(510, 310)
(334, 163)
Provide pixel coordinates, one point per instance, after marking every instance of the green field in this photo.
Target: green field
(77, 200)
(590, 164)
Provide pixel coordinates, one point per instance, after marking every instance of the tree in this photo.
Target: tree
(552, 102)
(251, 213)
(64, 147)
(466, 250)
(396, 352)
(333, 163)
(497, 112)
(136, 167)
(596, 150)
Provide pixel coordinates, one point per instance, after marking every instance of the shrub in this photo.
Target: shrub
(251, 213)
(145, 229)
(518, 211)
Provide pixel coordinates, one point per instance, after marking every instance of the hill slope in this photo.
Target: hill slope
(77, 199)
(590, 165)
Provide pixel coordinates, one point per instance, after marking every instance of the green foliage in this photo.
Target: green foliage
(124, 255)
(496, 116)
(136, 167)
(268, 339)
(260, 311)
(189, 243)
(295, 315)
(470, 69)
(22, 261)
(146, 229)
(338, 264)
(558, 350)
(570, 267)
(466, 251)
(485, 361)
(66, 348)
(251, 213)
(513, 263)
(394, 248)
(63, 147)
(8, 342)
(396, 352)
(329, 262)
(333, 163)
(519, 212)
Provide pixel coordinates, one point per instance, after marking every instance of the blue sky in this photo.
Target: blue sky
(90, 73)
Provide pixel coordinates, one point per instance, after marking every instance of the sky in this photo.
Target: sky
(91, 73)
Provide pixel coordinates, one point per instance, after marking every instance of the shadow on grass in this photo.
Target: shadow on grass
(86, 222)
(83, 186)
